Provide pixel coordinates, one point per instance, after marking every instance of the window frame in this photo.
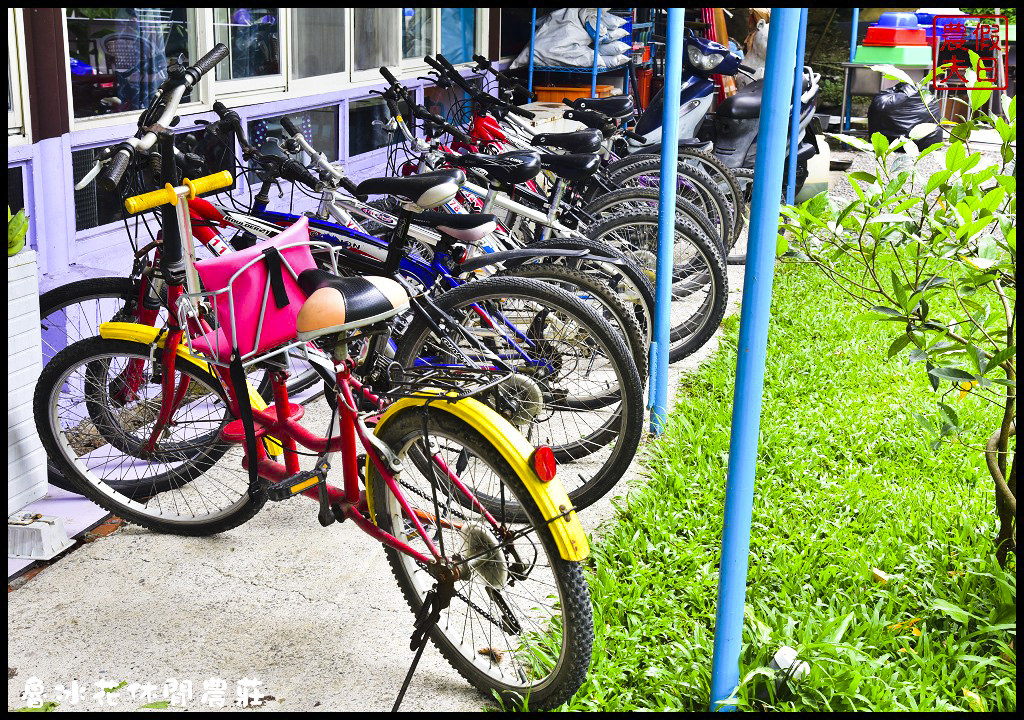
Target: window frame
(18, 126)
(313, 84)
(261, 84)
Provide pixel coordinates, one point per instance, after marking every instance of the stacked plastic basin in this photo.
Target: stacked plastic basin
(896, 39)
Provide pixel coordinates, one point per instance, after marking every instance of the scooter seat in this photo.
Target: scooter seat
(581, 141)
(509, 168)
(465, 228)
(744, 105)
(571, 167)
(616, 107)
(336, 304)
(428, 190)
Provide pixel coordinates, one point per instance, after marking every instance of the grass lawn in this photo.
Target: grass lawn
(846, 482)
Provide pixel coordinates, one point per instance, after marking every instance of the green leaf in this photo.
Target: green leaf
(863, 177)
(851, 140)
(999, 358)
(841, 630)
(950, 413)
(158, 705)
(949, 373)
(900, 291)
(937, 179)
(893, 72)
(898, 344)
(921, 130)
(955, 156)
(947, 608)
(880, 144)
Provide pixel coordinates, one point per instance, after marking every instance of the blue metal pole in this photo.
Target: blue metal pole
(794, 124)
(597, 45)
(853, 52)
(753, 341)
(533, 36)
(666, 217)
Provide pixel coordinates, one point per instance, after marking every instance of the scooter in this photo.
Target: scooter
(732, 134)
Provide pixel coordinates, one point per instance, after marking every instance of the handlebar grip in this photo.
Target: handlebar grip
(209, 60)
(150, 200)
(519, 111)
(388, 76)
(433, 63)
(295, 171)
(635, 136)
(231, 117)
(352, 189)
(289, 126)
(209, 183)
(111, 176)
(744, 68)
(481, 60)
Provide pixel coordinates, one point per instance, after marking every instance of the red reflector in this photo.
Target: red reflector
(544, 463)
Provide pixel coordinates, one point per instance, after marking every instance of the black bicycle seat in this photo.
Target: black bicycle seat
(428, 190)
(615, 107)
(580, 141)
(571, 167)
(508, 168)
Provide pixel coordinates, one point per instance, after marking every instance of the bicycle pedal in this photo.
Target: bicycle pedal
(292, 486)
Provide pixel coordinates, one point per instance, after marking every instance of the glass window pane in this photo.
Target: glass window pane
(93, 207)
(417, 32)
(374, 34)
(15, 189)
(318, 41)
(251, 35)
(319, 126)
(363, 135)
(119, 56)
(458, 34)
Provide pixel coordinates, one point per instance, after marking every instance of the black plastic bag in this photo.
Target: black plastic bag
(894, 112)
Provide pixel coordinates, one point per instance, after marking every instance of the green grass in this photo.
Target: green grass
(846, 482)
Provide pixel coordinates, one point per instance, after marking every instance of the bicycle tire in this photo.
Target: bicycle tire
(635, 167)
(608, 304)
(521, 567)
(135, 506)
(726, 178)
(704, 266)
(606, 428)
(642, 200)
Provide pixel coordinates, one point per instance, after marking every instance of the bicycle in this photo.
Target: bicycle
(440, 465)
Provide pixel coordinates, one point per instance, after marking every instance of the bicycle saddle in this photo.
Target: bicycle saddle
(465, 228)
(580, 141)
(509, 168)
(428, 190)
(617, 107)
(336, 304)
(571, 167)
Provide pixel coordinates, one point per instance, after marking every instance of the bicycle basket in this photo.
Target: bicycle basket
(255, 294)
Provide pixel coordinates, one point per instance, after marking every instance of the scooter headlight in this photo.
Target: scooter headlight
(701, 61)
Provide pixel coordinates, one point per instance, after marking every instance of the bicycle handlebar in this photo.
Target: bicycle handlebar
(231, 117)
(114, 171)
(485, 64)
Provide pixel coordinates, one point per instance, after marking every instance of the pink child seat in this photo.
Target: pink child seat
(241, 307)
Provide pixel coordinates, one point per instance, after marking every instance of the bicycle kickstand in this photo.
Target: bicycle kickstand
(437, 599)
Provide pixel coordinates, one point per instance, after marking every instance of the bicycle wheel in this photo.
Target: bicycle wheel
(519, 622)
(576, 387)
(592, 290)
(189, 483)
(637, 199)
(700, 285)
(694, 185)
(724, 176)
(626, 277)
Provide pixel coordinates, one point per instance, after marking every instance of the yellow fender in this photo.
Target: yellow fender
(147, 334)
(550, 497)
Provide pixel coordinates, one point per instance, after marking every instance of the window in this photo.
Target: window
(363, 134)
(417, 33)
(15, 188)
(93, 207)
(14, 117)
(319, 126)
(458, 34)
(318, 41)
(252, 36)
(119, 56)
(376, 31)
